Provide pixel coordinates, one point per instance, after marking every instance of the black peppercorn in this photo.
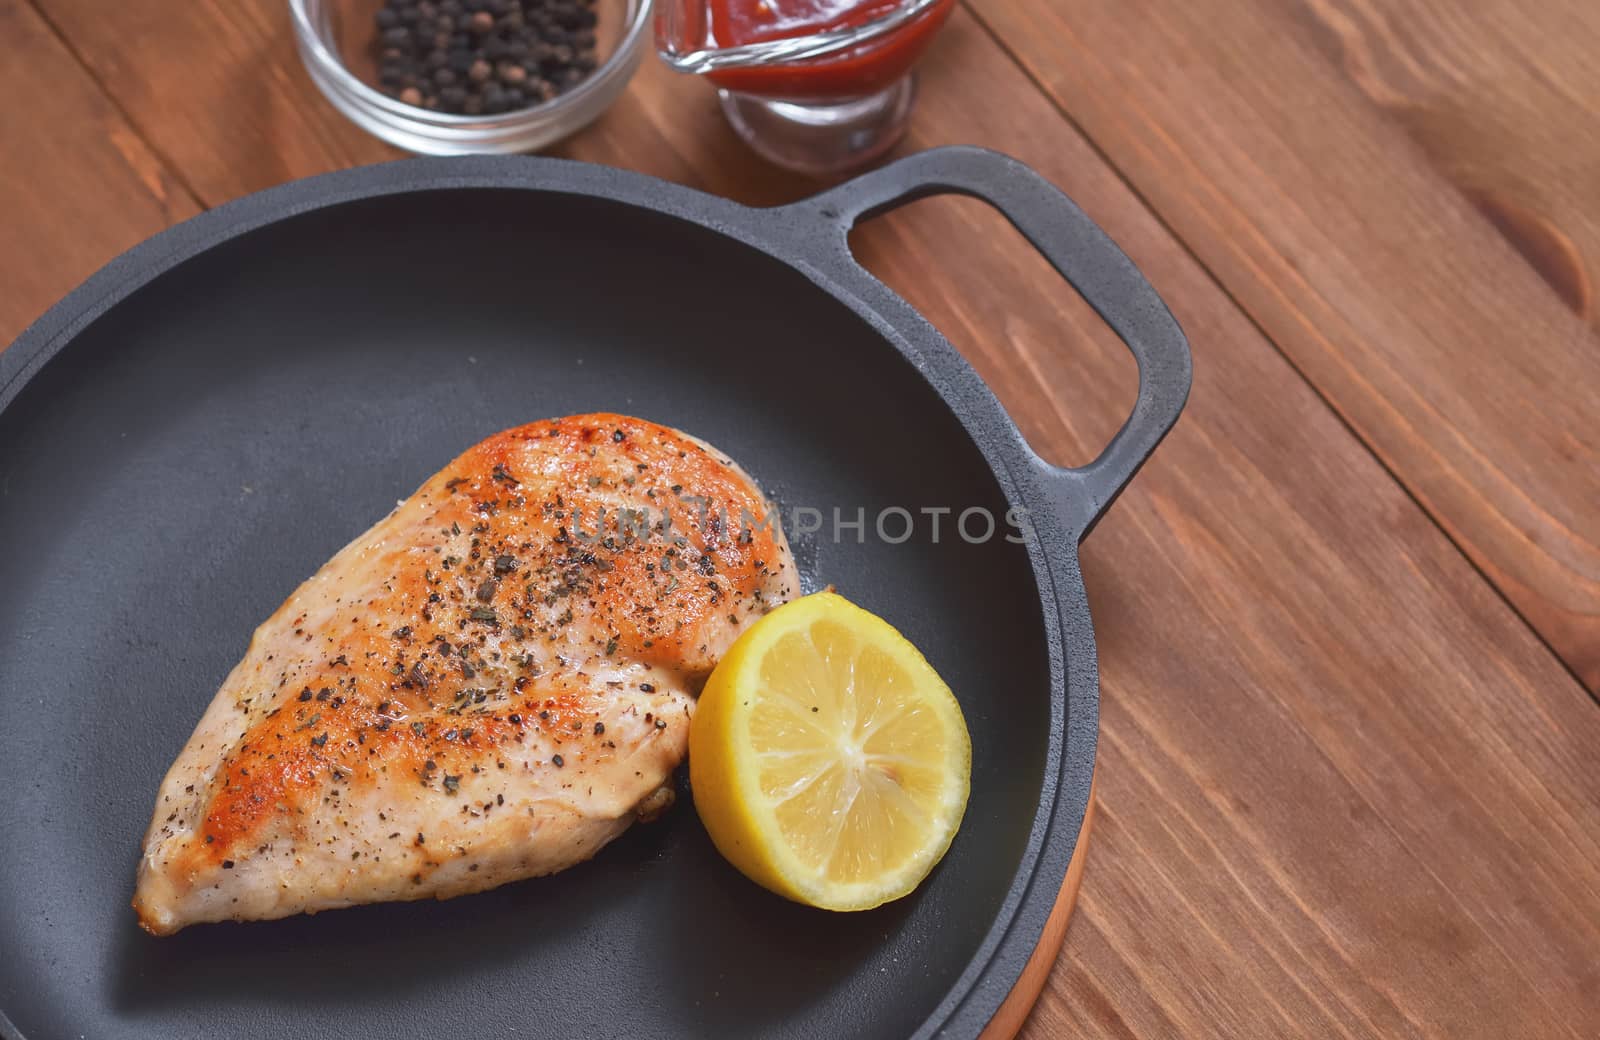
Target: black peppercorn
(483, 56)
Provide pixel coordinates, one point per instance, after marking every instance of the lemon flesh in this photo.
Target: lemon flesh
(829, 761)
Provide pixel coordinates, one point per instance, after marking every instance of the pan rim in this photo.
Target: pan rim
(820, 254)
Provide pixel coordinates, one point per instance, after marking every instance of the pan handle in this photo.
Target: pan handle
(1084, 255)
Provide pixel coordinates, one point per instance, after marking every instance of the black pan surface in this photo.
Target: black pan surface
(200, 446)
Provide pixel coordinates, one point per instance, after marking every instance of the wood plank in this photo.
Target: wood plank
(1343, 791)
(219, 89)
(1307, 690)
(1404, 195)
(79, 184)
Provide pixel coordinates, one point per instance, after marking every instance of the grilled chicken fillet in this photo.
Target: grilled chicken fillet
(488, 685)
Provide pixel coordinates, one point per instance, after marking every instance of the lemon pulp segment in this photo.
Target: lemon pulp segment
(829, 761)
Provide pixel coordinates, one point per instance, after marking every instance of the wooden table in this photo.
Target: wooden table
(1349, 616)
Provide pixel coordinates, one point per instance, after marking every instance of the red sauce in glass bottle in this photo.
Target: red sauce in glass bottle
(858, 71)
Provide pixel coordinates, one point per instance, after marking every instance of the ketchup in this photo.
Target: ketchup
(864, 69)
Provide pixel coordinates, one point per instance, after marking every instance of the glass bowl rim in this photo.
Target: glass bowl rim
(797, 48)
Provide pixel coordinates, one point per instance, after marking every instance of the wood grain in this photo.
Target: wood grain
(217, 88)
(1328, 747)
(1403, 194)
(1343, 790)
(79, 184)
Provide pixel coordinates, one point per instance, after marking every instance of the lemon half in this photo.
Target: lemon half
(829, 761)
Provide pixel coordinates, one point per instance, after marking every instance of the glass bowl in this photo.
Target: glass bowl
(823, 102)
(336, 43)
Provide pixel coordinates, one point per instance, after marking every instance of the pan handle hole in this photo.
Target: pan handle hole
(1064, 376)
